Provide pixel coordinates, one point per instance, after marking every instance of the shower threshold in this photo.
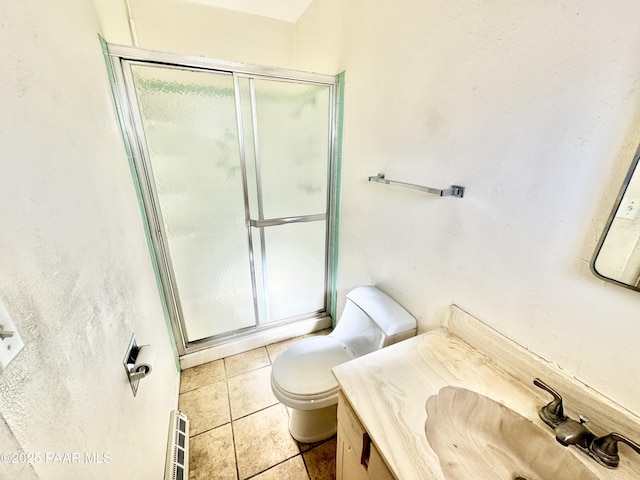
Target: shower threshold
(214, 349)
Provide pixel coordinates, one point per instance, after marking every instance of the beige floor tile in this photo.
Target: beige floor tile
(326, 331)
(321, 461)
(206, 407)
(250, 392)
(211, 455)
(292, 469)
(202, 375)
(247, 361)
(308, 446)
(263, 440)
(276, 348)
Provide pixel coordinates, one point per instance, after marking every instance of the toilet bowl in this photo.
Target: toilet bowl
(301, 375)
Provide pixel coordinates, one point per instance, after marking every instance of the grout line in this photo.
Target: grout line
(306, 467)
(235, 450)
(202, 386)
(252, 369)
(233, 431)
(278, 464)
(209, 429)
(257, 411)
(249, 371)
(210, 380)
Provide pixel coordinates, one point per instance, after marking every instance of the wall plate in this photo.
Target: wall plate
(129, 362)
(9, 346)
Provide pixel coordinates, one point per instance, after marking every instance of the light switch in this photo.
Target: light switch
(10, 341)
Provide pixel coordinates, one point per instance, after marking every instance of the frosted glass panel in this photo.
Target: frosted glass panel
(191, 170)
(190, 125)
(293, 147)
(295, 268)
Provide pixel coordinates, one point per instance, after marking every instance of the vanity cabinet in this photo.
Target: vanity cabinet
(357, 456)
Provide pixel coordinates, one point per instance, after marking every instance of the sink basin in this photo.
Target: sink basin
(476, 437)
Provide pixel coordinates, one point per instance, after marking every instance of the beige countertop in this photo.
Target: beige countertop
(389, 388)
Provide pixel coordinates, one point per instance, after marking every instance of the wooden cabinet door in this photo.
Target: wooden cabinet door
(378, 469)
(348, 465)
(357, 456)
(349, 452)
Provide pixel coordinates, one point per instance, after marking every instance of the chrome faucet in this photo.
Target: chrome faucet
(570, 432)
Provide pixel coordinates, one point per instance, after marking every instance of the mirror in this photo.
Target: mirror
(617, 257)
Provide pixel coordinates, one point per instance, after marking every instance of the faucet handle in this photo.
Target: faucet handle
(553, 413)
(605, 449)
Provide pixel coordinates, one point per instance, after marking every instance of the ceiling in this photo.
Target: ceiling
(287, 10)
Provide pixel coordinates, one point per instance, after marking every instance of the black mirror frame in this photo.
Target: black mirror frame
(612, 216)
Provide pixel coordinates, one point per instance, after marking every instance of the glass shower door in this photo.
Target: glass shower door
(287, 153)
(234, 171)
(190, 127)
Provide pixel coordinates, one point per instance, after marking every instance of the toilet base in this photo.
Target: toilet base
(310, 426)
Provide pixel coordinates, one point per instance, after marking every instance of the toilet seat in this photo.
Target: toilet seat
(301, 375)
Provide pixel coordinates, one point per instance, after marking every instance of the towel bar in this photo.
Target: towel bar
(454, 191)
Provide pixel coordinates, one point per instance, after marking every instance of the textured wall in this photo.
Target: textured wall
(197, 29)
(75, 270)
(535, 108)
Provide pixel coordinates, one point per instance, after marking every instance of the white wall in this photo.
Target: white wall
(196, 29)
(535, 108)
(75, 270)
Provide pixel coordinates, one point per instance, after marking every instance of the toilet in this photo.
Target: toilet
(301, 375)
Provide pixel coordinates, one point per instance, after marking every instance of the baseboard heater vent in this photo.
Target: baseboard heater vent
(177, 467)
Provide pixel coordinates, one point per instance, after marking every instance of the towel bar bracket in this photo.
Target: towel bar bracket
(454, 191)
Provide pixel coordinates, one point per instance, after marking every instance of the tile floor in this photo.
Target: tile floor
(239, 429)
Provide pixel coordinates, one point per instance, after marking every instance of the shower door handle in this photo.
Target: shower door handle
(286, 220)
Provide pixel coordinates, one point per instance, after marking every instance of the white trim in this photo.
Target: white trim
(259, 339)
(132, 53)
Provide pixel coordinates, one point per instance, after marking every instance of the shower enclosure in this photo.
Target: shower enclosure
(236, 172)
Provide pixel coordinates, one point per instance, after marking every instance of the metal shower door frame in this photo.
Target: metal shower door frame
(122, 58)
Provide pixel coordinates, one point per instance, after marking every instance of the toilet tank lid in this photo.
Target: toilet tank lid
(390, 316)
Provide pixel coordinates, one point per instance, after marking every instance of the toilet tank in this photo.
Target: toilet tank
(372, 320)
